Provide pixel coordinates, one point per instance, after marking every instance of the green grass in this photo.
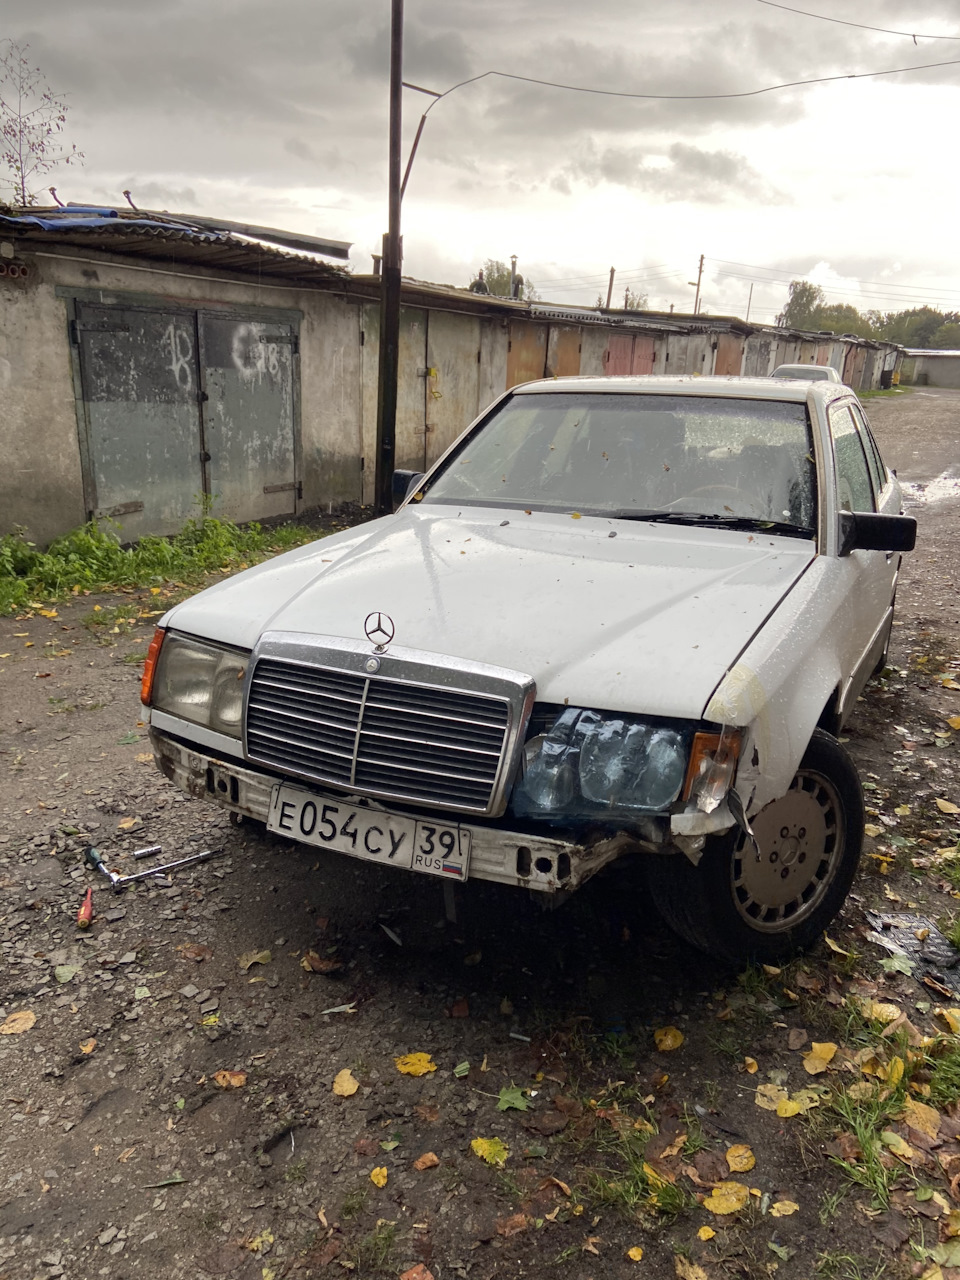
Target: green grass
(866, 1119)
(944, 1069)
(372, 1252)
(92, 559)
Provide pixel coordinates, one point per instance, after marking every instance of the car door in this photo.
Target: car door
(870, 574)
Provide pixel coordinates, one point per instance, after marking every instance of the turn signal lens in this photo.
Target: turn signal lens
(150, 666)
(713, 762)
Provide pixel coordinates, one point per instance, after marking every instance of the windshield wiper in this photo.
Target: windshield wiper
(727, 522)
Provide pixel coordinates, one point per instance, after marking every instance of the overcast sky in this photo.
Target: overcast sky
(277, 114)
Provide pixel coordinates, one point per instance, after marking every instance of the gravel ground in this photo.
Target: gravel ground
(127, 1152)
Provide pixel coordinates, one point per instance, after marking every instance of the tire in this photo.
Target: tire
(738, 908)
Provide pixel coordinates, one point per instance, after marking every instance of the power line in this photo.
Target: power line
(690, 97)
(878, 284)
(913, 35)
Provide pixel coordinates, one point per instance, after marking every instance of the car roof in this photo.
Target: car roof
(690, 385)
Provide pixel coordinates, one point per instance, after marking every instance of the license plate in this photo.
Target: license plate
(430, 847)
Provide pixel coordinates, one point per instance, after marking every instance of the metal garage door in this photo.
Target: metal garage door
(182, 405)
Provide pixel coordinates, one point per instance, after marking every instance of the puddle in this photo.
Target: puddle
(944, 487)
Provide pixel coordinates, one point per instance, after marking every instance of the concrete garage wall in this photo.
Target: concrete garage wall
(933, 370)
(40, 481)
(458, 354)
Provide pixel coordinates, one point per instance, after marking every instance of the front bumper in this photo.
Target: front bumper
(506, 857)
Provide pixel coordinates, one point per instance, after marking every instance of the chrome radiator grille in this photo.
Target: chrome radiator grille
(378, 735)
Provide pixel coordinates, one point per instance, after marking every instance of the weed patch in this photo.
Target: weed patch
(93, 559)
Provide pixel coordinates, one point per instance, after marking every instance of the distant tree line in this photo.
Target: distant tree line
(924, 327)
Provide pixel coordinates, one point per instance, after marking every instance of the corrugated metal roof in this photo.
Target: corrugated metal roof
(926, 351)
(171, 240)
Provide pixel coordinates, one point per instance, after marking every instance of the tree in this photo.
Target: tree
(497, 276)
(802, 307)
(32, 118)
(634, 301)
(946, 338)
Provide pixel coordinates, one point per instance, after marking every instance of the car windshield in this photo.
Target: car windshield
(639, 456)
(809, 373)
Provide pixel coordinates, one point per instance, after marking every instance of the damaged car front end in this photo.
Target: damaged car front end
(619, 618)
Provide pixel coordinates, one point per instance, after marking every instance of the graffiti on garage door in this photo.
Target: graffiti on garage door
(181, 407)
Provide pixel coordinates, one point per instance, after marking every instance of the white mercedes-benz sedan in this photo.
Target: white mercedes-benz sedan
(619, 618)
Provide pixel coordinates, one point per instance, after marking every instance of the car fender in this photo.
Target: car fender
(777, 690)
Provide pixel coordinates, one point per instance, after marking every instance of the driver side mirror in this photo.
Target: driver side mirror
(405, 483)
(873, 531)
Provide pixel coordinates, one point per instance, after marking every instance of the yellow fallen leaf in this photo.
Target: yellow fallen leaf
(947, 806)
(668, 1038)
(127, 824)
(948, 683)
(902, 810)
(635, 1254)
(876, 1010)
(18, 1022)
(378, 1176)
(344, 1084)
(429, 1160)
(895, 1069)
(751, 1066)
(951, 1017)
(835, 946)
(769, 1096)
(250, 958)
(706, 1233)
(786, 1108)
(871, 829)
(687, 1270)
(415, 1064)
(492, 1150)
(783, 1208)
(727, 1197)
(897, 1145)
(675, 1147)
(230, 1079)
(953, 722)
(921, 1117)
(260, 1243)
(740, 1158)
(88, 1046)
(818, 1057)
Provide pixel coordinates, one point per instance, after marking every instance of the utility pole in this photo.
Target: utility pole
(696, 301)
(749, 300)
(390, 284)
(613, 272)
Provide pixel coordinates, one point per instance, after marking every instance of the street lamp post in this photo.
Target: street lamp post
(390, 284)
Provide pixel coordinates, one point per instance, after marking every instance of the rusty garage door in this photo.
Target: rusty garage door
(179, 406)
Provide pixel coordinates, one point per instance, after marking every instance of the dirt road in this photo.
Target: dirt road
(126, 1155)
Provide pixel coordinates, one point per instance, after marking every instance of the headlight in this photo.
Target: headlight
(201, 683)
(601, 765)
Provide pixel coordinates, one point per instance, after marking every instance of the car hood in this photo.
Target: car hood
(600, 612)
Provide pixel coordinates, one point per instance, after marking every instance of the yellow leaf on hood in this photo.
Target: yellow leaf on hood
(740, 1158)
(415, 1064)
(818, 1057)
(18, 1022)
(783, 1208)
(668, 1038)
(378, 1176)
(344, 1084)
(727, 1197)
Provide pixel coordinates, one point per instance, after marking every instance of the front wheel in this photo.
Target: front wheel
(764, 903)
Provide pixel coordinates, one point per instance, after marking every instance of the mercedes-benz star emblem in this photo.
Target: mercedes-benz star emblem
(379, 629)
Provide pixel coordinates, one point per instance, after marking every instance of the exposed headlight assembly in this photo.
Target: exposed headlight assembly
(200, 682)
(601, 765)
